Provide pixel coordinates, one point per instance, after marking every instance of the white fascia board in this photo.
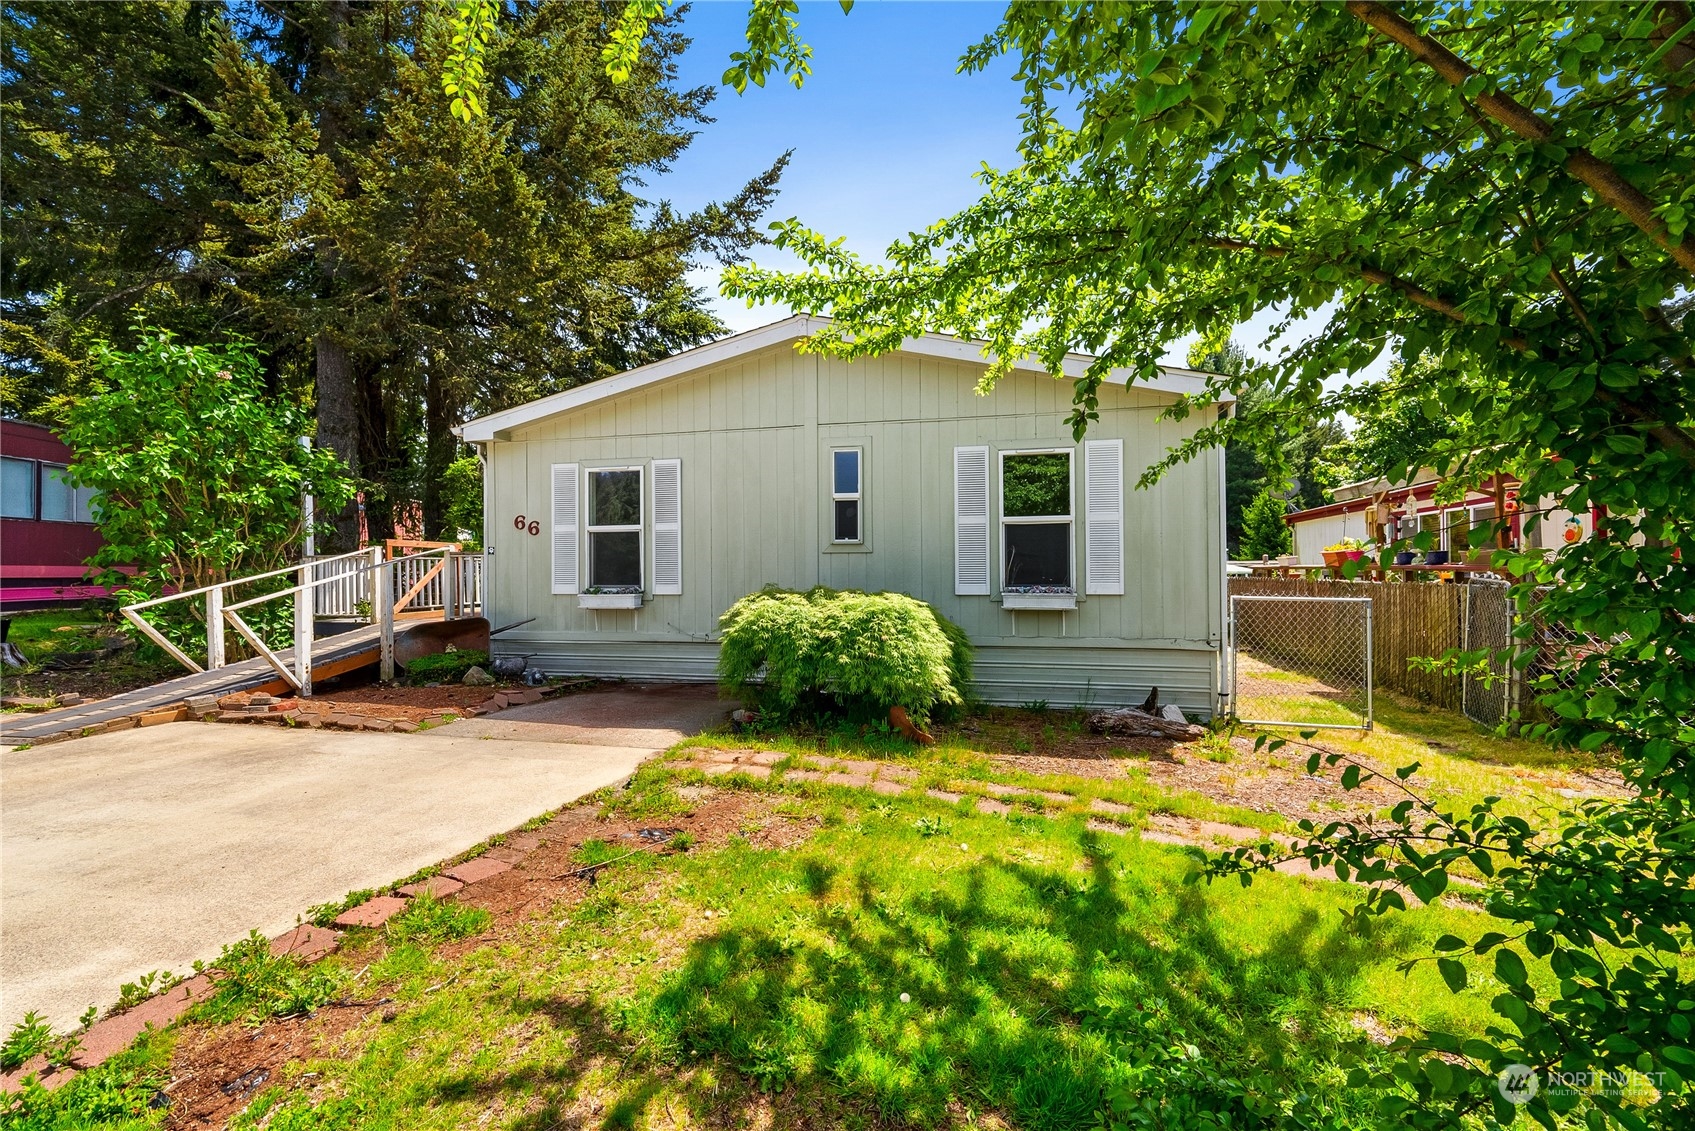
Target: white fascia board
(1187, 382)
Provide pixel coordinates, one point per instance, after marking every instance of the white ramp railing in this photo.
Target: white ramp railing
(441, 581)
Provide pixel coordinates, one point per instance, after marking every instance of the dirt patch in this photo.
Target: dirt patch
(1267, 783)
(399, 702)
(216, 1071)
(1037, 735)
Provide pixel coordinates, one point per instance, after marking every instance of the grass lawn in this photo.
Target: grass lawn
(799, 954)
(58, 635)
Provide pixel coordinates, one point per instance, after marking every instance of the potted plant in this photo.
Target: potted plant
(1352, 549)
(1405, 557)
(1333, 554)
(1435, 557)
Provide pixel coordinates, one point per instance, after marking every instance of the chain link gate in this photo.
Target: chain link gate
(1487, 622)
(1301, 661)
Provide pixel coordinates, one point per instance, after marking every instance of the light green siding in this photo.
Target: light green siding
(754, 435)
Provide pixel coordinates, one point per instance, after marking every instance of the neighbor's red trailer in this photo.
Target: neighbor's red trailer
(46, 532)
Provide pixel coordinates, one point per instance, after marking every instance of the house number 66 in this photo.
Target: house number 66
(533, 526)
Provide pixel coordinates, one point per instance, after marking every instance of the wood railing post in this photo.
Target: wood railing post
(303, 631)
(214, 629)
(383, 605)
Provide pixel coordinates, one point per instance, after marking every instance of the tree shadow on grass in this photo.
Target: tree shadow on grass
(1027, 986)
(1032, 989)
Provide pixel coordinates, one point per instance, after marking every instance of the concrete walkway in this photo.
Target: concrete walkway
(146, 849)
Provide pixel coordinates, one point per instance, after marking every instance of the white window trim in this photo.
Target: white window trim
(1039, 600)
(853, 496)
(639, 529)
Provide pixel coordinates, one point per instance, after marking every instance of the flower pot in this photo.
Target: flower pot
(1352, 555)
(1332, 558)
(1405, 557)
(1436, 557)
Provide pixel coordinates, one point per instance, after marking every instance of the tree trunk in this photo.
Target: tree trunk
(440, 449)
(338, 430)
(377, 455)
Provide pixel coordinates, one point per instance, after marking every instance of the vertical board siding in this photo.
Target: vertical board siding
(754, 511)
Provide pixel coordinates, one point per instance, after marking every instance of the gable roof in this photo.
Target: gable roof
(1170, 380)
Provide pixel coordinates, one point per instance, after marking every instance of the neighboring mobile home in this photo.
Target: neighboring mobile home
(46, 530)
(624, 516)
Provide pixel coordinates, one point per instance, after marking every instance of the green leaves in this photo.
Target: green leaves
(199, 469)
(472, 27)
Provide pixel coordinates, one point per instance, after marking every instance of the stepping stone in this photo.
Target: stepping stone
(887, 788)
(716, 768)
(524, 842)
(405, 726)
(1101, 805)
(378, 724)
(504, 852)
(439, 886)
(993, 808)
(944, 795)
(477, 869)
(805, 775)
(371, 913)
(306, 942)
(115, 1034)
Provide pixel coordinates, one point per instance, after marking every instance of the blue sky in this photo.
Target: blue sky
(886, 135)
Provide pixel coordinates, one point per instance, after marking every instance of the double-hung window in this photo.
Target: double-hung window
(847, 493)
(615, 528)
(1037, 512)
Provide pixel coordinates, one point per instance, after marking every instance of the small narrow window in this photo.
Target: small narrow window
(1036, 517)
(17, 488)
(846, 494)
(615, 529)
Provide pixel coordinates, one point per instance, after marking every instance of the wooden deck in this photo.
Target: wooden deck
(334, 656)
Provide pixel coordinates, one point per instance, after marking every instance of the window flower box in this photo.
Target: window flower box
(1039, 597)
(614, 599)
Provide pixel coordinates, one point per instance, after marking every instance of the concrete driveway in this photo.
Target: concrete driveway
(146, 849)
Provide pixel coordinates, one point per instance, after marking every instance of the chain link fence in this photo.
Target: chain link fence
(1301, 661)
(1413, 621)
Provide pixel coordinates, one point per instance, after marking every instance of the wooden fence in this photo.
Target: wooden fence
(1407, 620)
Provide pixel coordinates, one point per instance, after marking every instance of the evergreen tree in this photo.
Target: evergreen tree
(1264, 533)
(290, 172)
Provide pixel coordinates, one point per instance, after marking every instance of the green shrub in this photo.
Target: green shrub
(253, 984)
(842, 650)
(431, 920)
(445, 667)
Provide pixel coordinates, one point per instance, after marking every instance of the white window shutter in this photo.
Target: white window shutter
(1103, 493)
(567, 487)
(667, 526)
(971, 521)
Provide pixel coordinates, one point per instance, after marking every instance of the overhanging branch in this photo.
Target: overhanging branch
(1606, 182)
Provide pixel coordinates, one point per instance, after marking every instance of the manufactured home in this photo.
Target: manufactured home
(623, 517)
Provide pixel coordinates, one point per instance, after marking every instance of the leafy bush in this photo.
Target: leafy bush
(30, 1036)
(829, 649)
(254, 984)
(431, 920)
(445, 667)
